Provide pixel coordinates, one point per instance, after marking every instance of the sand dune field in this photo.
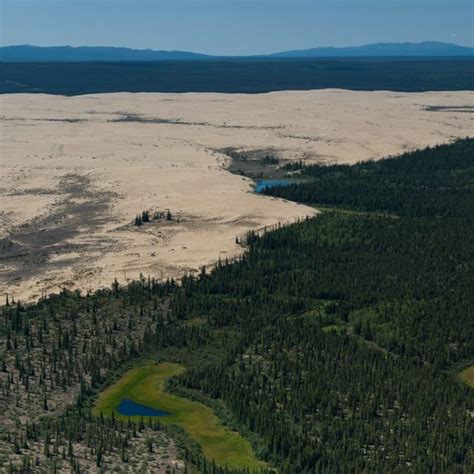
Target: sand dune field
(74, 172)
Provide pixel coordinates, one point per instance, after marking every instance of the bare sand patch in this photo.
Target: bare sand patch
(76, 170)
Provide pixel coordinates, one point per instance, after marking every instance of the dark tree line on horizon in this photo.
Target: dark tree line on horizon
(239, 76)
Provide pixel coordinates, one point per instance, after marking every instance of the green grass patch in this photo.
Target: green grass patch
(339, 328)
(146, 385)
(467, 376)
(195, 322)
(348, 210)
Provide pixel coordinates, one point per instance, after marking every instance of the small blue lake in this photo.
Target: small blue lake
(270, 183)
(131, 408)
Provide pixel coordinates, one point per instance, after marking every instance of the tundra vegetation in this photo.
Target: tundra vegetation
(331, 345)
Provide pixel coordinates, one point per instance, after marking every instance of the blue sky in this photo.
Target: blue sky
(234, 26)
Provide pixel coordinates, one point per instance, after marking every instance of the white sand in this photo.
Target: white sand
(72, 179)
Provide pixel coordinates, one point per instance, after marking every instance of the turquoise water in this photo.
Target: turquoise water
(270, 183)
(131, 408)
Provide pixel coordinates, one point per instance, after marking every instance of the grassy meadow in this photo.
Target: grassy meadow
(146, 385)
(467, 376)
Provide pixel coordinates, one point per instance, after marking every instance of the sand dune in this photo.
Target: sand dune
(75, 172)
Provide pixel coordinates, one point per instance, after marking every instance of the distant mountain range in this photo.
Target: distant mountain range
(28, 53)
(427, 48)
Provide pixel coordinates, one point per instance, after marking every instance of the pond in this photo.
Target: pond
(131, 408)
(141, 392)
(270, 183)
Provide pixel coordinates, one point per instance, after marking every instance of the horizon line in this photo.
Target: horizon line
(141, 49)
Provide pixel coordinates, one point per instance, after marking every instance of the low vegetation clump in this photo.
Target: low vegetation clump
(294, 165)
(255, 164)
(145, 217)
(332, 345)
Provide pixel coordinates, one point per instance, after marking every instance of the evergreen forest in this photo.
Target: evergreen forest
(332, 345)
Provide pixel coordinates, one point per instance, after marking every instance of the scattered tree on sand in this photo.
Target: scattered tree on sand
(145, 216)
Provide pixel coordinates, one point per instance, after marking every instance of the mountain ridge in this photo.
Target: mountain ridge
(30, 53)
(425, 48)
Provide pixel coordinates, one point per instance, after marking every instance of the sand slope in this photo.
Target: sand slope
(75, 171)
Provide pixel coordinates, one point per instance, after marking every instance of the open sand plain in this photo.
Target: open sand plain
(76, 170)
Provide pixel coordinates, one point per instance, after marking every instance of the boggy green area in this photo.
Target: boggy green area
(146, 385)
